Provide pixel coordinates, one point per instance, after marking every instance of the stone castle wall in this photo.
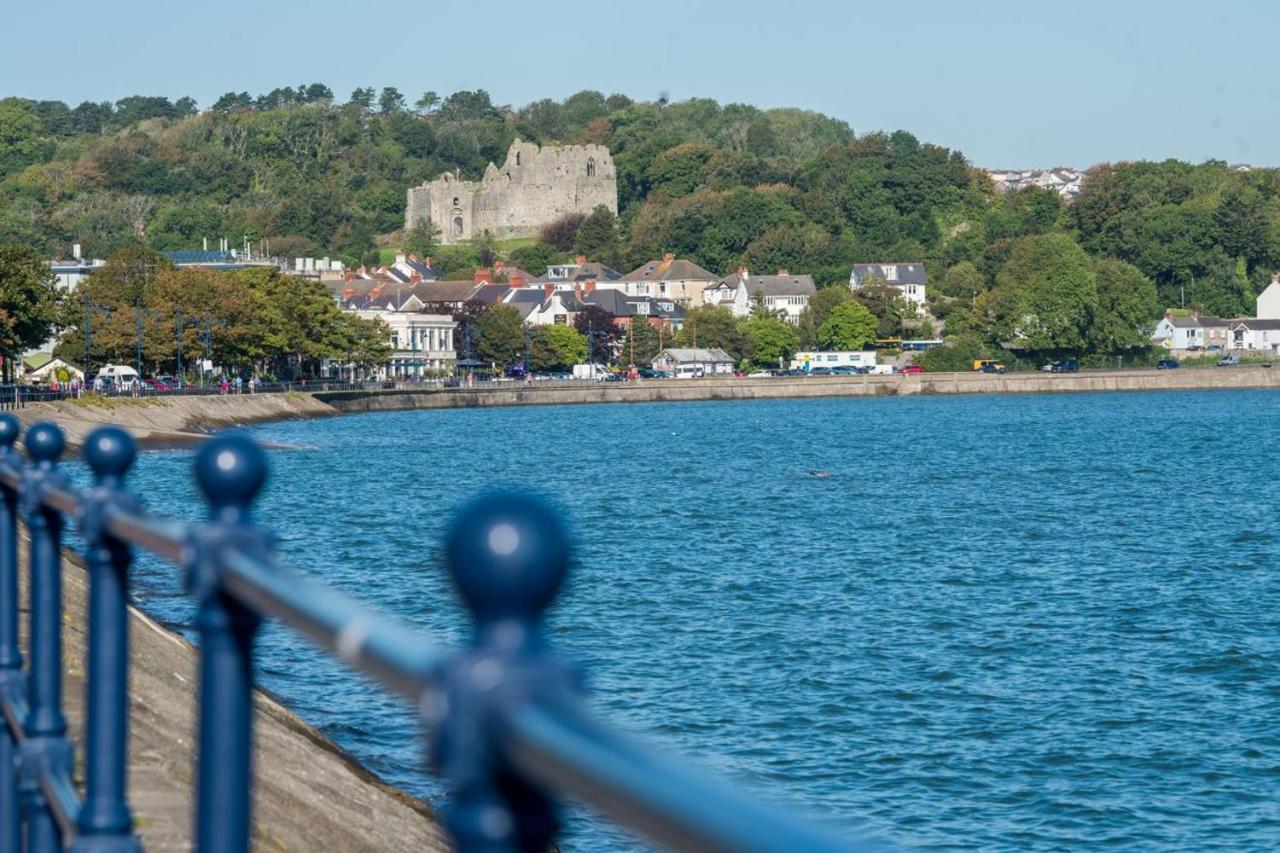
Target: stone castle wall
(535, 185)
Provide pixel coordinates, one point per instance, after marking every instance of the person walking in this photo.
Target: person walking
(224, 386)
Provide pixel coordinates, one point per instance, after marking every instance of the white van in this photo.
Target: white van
(118, 376)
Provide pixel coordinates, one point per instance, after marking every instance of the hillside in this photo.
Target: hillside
(719, 184)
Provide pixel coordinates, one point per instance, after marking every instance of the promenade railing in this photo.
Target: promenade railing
(507, 727)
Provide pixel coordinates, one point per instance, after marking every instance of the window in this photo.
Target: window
(455, 201)
(890, 273)
(662, 288)
(517, 162)
(457, 226)
(591, 167)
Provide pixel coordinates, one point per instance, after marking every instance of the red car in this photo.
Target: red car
(911, 368)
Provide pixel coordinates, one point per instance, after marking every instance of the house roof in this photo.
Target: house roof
(774, 285)
(488, 294)
(676, 269)
(905, 272)
(582, 272)
(1255, 325)
(690, 354)
(617, 304)
(1197, 322)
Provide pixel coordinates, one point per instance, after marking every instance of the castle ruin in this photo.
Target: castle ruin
(534, 186)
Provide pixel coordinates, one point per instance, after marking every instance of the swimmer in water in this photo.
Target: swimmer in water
(821, 475)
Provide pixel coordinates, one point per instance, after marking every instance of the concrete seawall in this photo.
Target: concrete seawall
(673, 390)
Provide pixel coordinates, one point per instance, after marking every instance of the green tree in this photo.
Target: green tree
(818, 310)
(598, 237)
(849, 326)
(1045, 296)
(428, 102)
(497, 336)
(422, 239)
(29, 302)
(390, 101)
(963, 281)
(363, 98)
(1127, 309)
(711, 327)
(642, 343)
(558, 347)
(768, 341)
(20, 140)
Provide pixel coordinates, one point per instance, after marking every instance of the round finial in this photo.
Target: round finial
(45, 442)
(10, 429)
(230, 470)
(508, 554)
(110, 452)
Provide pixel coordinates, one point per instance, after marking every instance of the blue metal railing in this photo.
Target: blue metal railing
(507, 728)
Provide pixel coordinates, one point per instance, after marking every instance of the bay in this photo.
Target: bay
(1000, 622)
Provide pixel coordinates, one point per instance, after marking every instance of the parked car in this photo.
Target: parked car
(650, 373)
(1229, 361)
(991, 367)
(844, 370)
(157, 383)
(1214, 348)
(910, 369)
(1066, 365)
(820, 371)
(1167, 364)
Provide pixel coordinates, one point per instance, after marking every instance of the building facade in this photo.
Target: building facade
(534, 186)
(909, 279)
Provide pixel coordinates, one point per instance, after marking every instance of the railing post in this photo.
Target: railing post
(105, 824)
(11, 681)
(46, 747)
(230, 470)
(508, 555)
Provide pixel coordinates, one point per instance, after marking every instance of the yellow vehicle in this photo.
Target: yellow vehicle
(987, 365)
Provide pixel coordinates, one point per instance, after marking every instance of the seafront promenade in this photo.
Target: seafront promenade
(183, 421)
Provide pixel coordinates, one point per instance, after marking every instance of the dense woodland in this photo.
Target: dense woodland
(722, 185)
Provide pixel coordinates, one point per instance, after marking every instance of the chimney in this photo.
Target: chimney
(413, 256)
(427, 260)
(588, 286)
(743, 274)
(498, 265)
(580, 260)
(548, 289)
(362, 270)
(577, 290)
(668, 258)
(75, 250)
(482, 275)
(400, 257)
(516, 281)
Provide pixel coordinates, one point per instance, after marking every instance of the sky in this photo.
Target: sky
(1011, 84)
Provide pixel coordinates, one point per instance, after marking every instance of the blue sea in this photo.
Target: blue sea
(1033, 622)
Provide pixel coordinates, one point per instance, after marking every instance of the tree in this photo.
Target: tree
(497, 336)
(642, 343)
(711, 327)
(29, 302)
(363, 98)
(598, 323)
(422, 239)
(562, 233)
(1126, 308)
(816, 312)
(20, 140)
(598, 238)
(963, 281)
(849, 326)
(768, 341)
(428, 102)
(1045, 296)
(390, 101)
(558, 347)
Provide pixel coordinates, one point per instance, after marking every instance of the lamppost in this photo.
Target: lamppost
(207, 332)
(89, 309)
(527, 353)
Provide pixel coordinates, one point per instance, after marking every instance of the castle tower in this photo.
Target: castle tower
(534, 186)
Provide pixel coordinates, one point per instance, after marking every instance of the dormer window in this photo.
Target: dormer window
(890, 273)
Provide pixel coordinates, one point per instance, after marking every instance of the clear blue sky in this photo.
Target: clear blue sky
(1011, 84)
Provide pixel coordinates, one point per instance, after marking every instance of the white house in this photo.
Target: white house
(688, 363)
(784, 295)
(908, 279)
(1269, 301)
(1254, 334)
(1191, 333)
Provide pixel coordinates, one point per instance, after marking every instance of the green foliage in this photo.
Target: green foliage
(642, 343)
(1126, 310)
(598, 238)
(497, 336)
(710, 327)
(963, 281)
(557, 347)
(1044, 298)
(768, 341)
(849, 326)
(422, 239)
(29, 301)
(818, 310)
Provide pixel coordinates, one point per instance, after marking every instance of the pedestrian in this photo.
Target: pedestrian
(239, 383)
(224, 385)
(253, 384)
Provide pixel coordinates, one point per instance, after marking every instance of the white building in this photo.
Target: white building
(843, 358)
(419, 342)
(908, 279)
(1255, 334)
(784, 295)
(1269, 301)
(1192, 333)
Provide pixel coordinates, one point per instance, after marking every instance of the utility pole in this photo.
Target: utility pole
(137, 307)
(178, 374)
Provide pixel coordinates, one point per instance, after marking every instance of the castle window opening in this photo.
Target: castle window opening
(591, 167)
(457, 226)
(455, 201)
(517, 158)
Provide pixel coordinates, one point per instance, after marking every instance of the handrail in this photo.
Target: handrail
(507, 727)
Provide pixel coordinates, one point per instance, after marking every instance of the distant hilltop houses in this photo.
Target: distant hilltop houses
(1061, 179)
